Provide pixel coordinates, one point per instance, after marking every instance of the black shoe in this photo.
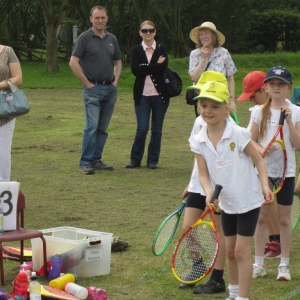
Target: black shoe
(100, 165)
(86, 169)
(211, 287)
(152, 166)
(196, 272)
(132, 165)
(186, 285)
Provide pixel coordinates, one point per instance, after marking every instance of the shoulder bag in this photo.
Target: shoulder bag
(13, 102)
(173, 81)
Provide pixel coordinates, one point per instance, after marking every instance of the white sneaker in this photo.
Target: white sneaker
(259, 271)
(283, 272)
(230, 298)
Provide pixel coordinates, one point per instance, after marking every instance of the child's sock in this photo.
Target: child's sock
(277, 237)
(284, 260)
(233, 290)
(259, 260)
(217, 275)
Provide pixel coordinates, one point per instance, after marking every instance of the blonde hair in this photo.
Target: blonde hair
(148, 23)
(214, 37)
(266, 115)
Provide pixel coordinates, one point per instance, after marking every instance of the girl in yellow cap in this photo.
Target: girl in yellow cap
(225, 155)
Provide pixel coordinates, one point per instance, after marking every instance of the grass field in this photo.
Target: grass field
(127, 203)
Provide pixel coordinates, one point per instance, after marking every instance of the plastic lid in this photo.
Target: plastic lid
(33, 275)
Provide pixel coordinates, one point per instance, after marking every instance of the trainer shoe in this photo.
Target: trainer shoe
(230, 298)
(132, 165)
(211, 287)
(259, 271)
(152, 166)
(267, 247)
(283, 272)
(86, 169)
(100, 165)
(274, 250)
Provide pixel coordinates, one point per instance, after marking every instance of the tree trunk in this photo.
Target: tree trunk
(53, 23)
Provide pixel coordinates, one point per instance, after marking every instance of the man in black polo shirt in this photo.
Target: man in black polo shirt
(96, 62)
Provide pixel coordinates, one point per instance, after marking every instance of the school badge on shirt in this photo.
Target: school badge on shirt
(232, 146)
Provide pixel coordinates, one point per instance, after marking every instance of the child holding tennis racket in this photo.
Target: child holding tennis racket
(225, 155)
(196, 202)
(254, 89)
(264, 126)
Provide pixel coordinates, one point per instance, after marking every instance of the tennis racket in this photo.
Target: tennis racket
(166, 230)
(295, 212)
(276, 159)
(235, 118)
(197, 249)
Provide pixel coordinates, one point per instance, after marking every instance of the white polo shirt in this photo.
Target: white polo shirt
(194, 184)
(231, 167)
(271, 128)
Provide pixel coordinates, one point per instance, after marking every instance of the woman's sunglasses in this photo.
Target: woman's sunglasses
(150, 30)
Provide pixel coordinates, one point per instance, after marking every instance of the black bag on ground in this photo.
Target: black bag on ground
(173, 82)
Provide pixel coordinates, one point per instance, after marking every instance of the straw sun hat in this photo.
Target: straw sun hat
(194, 34)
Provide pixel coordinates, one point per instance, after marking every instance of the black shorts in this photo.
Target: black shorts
(196, 200)
(241, 224)
(286, 195)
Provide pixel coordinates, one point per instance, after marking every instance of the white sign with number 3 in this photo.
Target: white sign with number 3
(9, 192)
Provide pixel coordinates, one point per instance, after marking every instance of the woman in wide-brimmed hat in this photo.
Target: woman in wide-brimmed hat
(209, 55)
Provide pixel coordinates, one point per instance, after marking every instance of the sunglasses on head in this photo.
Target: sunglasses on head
(150, 30)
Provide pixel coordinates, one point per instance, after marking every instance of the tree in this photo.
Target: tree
(54, 12)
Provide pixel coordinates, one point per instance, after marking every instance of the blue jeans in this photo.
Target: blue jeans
(99, 103)
(143, 111)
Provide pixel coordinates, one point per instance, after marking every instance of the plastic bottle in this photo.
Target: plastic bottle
(56, 265)
(1, 219)
(97, 293)
(76, 290)
(24, 267)
(60, 282)
(34, 288)
(20, 285)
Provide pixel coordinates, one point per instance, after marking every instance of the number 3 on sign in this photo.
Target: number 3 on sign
(9, 192)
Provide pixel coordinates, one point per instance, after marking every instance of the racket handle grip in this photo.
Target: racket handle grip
(282, 116)
(216, 194)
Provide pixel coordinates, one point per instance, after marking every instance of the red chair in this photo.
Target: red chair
(21, 234)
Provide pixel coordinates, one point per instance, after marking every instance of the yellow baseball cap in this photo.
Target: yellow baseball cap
(214, 90)
(209, 76)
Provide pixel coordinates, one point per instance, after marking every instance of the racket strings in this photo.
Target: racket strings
(275, 163)
(274, 182)
(165, 234)
(196, 253)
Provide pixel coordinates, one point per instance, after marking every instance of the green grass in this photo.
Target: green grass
(127, 203)
(35, 75)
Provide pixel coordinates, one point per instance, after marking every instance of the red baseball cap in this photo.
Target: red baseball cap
(252, 82)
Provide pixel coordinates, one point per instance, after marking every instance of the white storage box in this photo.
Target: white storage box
(85, 253)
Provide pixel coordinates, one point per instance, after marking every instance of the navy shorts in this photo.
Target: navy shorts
(286, 195)
(196, 200)
(241, 224)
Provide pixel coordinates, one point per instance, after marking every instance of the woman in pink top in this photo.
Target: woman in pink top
(148, 62)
